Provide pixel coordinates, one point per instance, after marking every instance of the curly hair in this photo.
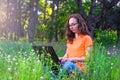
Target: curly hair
(83, 29)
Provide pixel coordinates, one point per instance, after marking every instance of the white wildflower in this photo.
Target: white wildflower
(114, 46)
(94, 71)
(10, 78)
(16, 63)
(9, 69)
(111, 67)
(38, 61)
(14, 59)
(34, 70)
(16, 73)
(41, 77)
(108, 52)
(112, 64)
(23, 61)
(8, 56)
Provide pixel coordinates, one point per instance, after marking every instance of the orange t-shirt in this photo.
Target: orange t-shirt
(78, 48)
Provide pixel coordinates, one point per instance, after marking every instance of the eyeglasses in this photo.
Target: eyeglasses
(73, 24)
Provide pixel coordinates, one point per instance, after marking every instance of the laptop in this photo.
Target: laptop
(47, 49)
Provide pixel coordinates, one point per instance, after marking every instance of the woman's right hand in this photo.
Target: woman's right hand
(63, 60)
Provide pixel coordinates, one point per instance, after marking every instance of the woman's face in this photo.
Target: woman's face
(73, 25)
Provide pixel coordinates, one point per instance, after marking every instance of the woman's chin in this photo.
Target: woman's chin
(74, 31)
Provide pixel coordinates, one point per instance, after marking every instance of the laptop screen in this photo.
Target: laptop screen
(46, 50)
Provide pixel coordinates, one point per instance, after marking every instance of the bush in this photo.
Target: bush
(107, 37)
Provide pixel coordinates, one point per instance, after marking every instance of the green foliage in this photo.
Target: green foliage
(45, 7)
(27, 0)
(69, 7)
(86, 6)
(66, 8)
(106, 37)
(41, 29)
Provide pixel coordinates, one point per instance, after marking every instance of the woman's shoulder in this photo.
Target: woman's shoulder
(86, 36)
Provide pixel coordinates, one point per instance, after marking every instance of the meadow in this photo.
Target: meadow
(18, 61)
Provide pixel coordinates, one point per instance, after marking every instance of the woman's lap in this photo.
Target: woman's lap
(68, 67)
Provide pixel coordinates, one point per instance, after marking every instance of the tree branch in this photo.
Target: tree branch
(92, 8)
(82, 12)
(106, 6)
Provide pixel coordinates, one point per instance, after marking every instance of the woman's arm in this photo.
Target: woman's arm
(88, 51)
(76, 59)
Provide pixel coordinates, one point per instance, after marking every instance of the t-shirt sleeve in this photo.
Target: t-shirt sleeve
(88, 41)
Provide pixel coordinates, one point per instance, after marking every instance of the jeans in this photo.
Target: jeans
(68, 67)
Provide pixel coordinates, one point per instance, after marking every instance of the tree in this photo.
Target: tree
(113, 21)
(51, 32)
(10, 21)
(64, 8)
(14, 20)
(33, 20)
(92, 18)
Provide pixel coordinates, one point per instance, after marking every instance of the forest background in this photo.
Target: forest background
(44, 20)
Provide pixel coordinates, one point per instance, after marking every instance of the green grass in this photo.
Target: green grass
(103, 65)
(18, 61)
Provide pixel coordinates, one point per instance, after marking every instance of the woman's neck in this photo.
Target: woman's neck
(77, 35)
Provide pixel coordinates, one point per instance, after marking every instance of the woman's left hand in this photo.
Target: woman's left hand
(63, 60)
(71, 60)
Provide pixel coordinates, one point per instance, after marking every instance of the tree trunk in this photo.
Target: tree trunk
(118, 34)
(33, 20)
(16, 19)
(45, 12)
(7, 20)
(51, 33)
(19, 28)
(56, 27)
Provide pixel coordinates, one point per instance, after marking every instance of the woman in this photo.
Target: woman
(79, 43)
